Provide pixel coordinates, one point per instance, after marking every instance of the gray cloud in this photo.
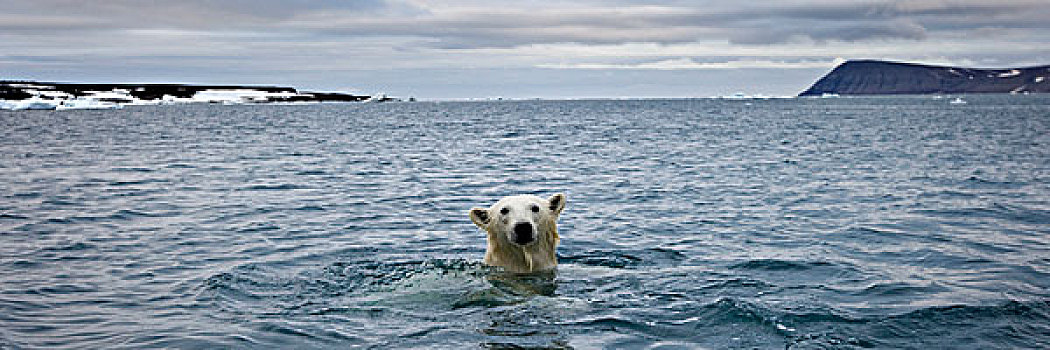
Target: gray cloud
(490, 24)
(854, 31)
(781, 22)
(184, 14)
(312, 39)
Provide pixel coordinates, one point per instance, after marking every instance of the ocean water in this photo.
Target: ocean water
(902, 222)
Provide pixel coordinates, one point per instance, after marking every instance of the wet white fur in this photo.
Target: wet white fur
(538, 255)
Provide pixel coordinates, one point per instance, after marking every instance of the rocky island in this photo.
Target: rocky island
(873, 77)
(51, 95)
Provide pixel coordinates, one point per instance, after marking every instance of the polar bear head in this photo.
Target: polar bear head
(522, 231)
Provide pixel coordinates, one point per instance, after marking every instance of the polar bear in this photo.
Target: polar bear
(522, 232)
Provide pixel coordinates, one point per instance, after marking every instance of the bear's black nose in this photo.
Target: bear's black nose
(523, 233)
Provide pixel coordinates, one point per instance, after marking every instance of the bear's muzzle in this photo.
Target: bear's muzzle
(523, 233)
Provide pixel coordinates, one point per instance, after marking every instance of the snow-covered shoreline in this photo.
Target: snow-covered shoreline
(28, 95)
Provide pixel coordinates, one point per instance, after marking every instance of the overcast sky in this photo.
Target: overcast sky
(520, 49)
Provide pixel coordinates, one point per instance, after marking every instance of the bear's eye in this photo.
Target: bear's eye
(535, 208)
(504, 211)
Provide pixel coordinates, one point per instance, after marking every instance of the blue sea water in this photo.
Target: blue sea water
(891, 222)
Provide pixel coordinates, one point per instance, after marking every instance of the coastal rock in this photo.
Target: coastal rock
(872, 77)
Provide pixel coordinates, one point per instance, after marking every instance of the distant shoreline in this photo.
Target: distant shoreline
(864, 78)
(875, 77)
(18, 95)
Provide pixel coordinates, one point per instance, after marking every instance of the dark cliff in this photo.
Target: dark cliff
(869, 77)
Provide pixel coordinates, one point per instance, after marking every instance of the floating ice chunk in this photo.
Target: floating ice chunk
(34, 102)
(236, 96)
(53, 95)
(115, 96)
(1011, 73)
(87, 103)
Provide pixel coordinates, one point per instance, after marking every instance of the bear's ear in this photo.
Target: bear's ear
(557, 203)
(480, 217)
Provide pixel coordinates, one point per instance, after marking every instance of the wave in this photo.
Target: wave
(132, 170)
(727, 322)
(136, 182)
(277, 187)
(625, 258)
(1012, 324)
(531, 310)
(777, 265)
(404, 285)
